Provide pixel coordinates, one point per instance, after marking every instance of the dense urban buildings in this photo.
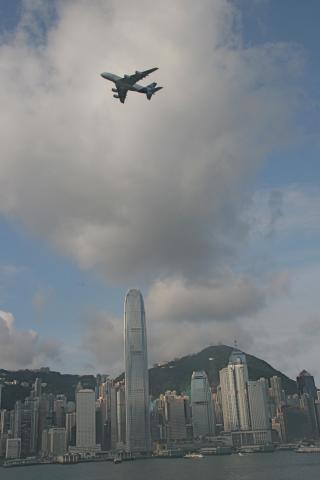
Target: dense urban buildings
(102, 416)
(136, 374)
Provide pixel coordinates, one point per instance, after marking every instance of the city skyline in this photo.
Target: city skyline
(207, 198)
(120, 418)
(117, 419)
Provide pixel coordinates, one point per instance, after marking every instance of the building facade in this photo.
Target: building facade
(85, 419)
(258, 404)
(203, 420)
(13, 448)
(136, 374)
(57, 444)
(305, 384)
(235, 404)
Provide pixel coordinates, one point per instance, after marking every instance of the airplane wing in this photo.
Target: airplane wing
(122, 92)
(132, 79)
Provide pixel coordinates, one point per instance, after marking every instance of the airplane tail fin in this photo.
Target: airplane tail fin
(151, 89)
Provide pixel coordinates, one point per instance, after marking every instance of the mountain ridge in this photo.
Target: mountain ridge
(177, 373)
(172, 375)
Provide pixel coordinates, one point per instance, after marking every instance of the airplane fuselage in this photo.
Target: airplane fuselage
(121, 82)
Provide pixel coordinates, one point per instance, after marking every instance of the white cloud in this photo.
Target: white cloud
(146, 188)
(183, 318)
(103, 338)
(24, 348)
(233, 297)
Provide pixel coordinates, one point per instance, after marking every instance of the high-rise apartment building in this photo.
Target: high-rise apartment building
(203, 421)
(86, 419)
(136, 374)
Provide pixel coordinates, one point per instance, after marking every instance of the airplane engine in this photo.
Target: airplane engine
(116, 96)
(137, 72)
(114, 90)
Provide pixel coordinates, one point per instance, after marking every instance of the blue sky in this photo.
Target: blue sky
(212, 193)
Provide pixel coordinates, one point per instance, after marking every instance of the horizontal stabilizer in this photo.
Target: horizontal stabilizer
(151, 91)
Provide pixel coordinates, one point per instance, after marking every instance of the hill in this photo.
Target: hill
(174, 375)
(18, 384)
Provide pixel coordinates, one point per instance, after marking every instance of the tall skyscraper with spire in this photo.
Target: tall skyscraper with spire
(136, 374)
(235, 405)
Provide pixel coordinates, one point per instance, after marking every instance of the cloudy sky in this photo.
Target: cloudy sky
(207, 198)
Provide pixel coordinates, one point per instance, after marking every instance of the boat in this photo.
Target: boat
(117, 460)
(193, 455)
(311, 449)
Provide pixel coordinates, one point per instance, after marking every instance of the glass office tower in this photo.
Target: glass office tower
(202, 405)
(136, 374)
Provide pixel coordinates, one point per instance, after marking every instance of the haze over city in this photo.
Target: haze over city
(206, 198)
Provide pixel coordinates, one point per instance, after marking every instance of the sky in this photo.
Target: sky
(206, 198)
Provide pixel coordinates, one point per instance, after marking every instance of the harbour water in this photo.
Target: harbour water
(266, 466)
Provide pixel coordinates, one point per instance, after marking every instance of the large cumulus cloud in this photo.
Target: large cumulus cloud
(142, 189)
(146, 191)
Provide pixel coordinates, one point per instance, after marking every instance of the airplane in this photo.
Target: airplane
(129, 82)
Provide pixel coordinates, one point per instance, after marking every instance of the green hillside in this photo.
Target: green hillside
(18, 384)
(174, 375)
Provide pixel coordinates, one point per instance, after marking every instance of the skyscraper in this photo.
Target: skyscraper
(277, 393)
(86, 419)
(136, 374)
(235, 405)
(202, 405)
(121, 414)
(57, 441)
(306, 384)
(37, 387)
(175, 416)
(258, 402)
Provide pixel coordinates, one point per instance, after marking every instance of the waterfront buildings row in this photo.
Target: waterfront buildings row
(120, 416)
